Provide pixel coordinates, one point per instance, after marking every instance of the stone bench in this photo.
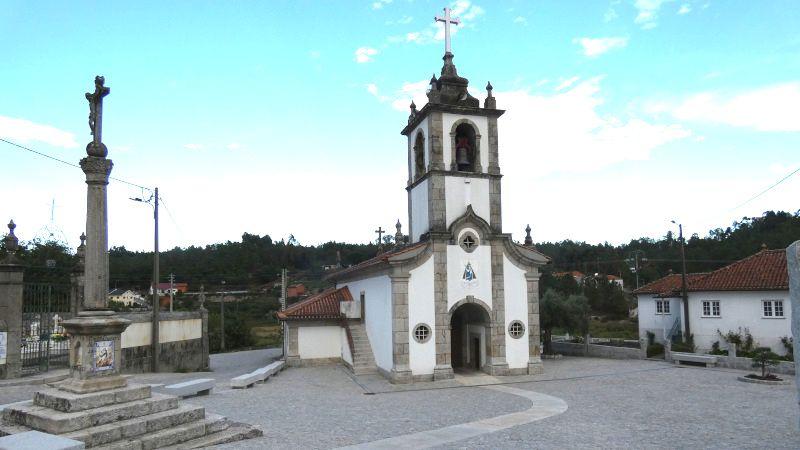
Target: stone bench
(256, 376)
(708, 360)
(200, 386)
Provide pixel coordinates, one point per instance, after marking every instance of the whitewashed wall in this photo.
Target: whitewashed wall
(483, 129)
(422, 357)
(658, 324)
(516, 300)
(461, 192)
(319, 341)
(140, 333)
(481, 260)
(740, 309)
(419, 210)
(378, 309)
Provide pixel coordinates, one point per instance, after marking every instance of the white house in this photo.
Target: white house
(124, 296)
(461, 295)
(752, 293)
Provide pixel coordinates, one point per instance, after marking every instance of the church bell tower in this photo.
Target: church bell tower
(452, 153)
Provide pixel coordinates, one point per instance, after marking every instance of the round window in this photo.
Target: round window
(516, 329)
(469, 242)
(422, 333)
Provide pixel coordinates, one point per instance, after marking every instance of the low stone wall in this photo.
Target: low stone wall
(598, 351)
(183, 342)
(734, 362)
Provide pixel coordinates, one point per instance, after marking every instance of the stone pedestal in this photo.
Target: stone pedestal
(95, 356)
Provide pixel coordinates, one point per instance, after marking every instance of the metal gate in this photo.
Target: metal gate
(44, 343)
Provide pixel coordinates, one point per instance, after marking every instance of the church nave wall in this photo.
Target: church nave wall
(421, 310)
(378, 311)
(516, 302)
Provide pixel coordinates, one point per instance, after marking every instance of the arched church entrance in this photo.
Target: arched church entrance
(470, 337)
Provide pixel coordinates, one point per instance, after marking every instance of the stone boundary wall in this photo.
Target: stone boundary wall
(740, 363)
(183, 345)
(598, 351)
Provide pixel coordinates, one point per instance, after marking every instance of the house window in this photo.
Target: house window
(516, 329)
(422, 333)
(662, 306)
(773, 308)
(711, 308)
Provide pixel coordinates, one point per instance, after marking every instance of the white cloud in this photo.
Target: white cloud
(25, 131)
(234, 146)
(770, 108)
(314, 54)
(405, 20)
(521, 20)
(566, 83)
(193, 146)
(365, 54)
(647, 17)
(372, 88)
(380, 4)
(593, 47)
(685, 9)
(610, 15)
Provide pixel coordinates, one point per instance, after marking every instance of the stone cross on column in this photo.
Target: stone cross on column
(447, 21)
(96, 147)
(380, 232)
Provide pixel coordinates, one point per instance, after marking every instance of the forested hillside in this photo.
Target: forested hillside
(257, 260)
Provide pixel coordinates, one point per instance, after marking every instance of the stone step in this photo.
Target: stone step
(236, 432)
(183, 433)
(131, 428)
(58, 422)
(68, 402)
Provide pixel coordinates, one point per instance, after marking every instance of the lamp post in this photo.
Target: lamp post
(684, 294)
(156, 303)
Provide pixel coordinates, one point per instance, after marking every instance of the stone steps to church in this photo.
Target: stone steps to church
(213, 428)
(58, 422)
(138, 426)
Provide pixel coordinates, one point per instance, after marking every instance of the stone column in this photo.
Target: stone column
(95, 333)
(401, 371)
(11, 295)
(204, 316)
(534, 344)
(497, 339)
(793, 263)
(444, 368)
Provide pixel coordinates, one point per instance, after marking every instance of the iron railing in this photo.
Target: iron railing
(44, 344)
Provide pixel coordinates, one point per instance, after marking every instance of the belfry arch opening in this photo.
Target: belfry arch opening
(465, 148)
(419, 155)
(470, 337)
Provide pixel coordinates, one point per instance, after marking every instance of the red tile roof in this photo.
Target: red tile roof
(764, 271)
(378, 260)
(324, 305)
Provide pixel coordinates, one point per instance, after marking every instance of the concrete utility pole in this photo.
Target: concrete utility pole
(684, 293)
(635, 257)
(283, 307)
(156, 300)
(171, 290)
(222, 317)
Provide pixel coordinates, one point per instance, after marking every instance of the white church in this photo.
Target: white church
(460, 295)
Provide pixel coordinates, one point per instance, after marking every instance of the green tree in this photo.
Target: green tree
(568, 313)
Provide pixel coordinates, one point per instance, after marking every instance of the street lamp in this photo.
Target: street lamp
(684, 294)
(156, 304)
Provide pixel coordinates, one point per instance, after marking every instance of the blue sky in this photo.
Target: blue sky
(284, 117)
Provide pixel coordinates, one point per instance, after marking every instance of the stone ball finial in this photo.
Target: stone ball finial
(11, 242)
(83, 239)
(489, 87)
(528, 239)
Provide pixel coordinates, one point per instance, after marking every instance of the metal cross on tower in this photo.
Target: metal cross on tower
(447, 21)
(380, 232)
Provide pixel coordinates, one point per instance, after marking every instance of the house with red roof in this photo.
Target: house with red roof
(751, 293)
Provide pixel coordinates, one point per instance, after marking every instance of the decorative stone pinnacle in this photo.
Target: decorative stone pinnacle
(398, 236)
(413, 106)
(528, 239)
(490, 102)
(433, 79)
(11, 244)
(83, 239)
(489, 88)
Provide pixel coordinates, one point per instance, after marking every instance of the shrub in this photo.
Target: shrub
(655, 349)
(685, 347)
(715, 350)
(651, 338)
(764, 359)
(788, 344)
(745, 344)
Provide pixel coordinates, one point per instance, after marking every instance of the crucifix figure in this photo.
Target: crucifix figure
(447, 21)
(96, 147)
(380, 232)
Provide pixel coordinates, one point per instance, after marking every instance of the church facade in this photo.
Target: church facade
(460, 294)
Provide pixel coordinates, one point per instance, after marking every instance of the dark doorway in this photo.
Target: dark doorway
(469, 335)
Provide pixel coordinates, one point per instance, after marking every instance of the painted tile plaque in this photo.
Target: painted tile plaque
(103, 356)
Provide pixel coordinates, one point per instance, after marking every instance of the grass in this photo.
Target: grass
(617, 329)
(266, 335)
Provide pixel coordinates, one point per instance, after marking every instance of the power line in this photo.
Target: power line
(69, 163)
(768, 189)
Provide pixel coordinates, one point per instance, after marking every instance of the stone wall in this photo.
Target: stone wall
(598, 351)
(188, 354)
(740, 363)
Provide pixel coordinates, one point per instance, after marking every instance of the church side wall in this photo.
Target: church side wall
(319, 341)
(422, 356)
(419, 210)
(483, 129)
(516, 301)
(481, 261)
(459, 194)
(378, 310)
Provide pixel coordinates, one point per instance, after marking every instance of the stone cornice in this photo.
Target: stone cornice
(430, 107)
(452, 173)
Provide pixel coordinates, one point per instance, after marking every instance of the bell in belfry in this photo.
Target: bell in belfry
(462, 154)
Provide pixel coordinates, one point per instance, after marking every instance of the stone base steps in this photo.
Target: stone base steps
(135, 423)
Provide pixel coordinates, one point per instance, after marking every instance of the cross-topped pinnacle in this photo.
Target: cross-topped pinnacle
(96, 147)
(380, 232)
(447, 21)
